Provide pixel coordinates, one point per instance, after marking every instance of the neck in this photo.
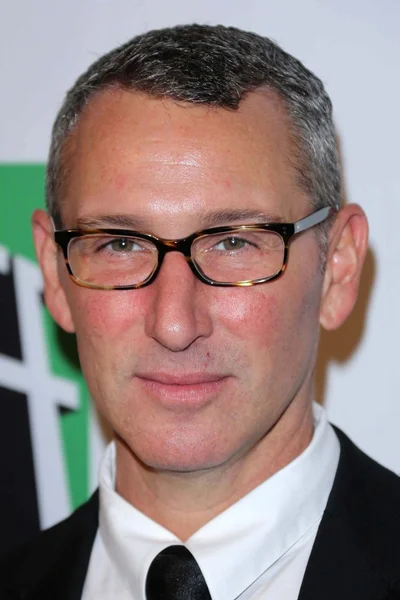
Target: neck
(184, 502)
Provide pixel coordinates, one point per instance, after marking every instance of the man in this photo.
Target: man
(195, 244)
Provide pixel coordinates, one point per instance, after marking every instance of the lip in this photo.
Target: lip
(183, 379)
(187, 390)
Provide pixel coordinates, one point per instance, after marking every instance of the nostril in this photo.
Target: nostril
(174, 321)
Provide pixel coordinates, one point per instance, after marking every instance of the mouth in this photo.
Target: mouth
(188, 390)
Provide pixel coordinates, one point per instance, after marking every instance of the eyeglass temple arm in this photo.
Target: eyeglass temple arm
(314, 219)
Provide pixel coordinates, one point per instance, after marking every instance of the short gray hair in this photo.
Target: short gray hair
(216, 66)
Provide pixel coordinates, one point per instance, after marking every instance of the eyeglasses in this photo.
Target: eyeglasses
(242, 255)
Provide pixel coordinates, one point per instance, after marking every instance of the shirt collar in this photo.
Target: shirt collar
(241, 543)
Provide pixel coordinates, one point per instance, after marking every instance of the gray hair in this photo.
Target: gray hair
(216, 66)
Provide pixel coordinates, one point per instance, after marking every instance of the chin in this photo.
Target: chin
(180, 453)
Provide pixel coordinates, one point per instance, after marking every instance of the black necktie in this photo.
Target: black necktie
(175, 575)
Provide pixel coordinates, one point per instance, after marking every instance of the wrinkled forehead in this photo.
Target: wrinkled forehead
(132, 152)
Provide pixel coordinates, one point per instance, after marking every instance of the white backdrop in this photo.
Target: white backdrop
(354, 46)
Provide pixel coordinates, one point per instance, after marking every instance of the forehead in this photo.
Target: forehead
(133, 154)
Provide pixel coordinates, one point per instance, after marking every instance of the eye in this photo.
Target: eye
(232, 243)
(123, 245)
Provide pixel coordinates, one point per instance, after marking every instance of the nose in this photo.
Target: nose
(179, 310)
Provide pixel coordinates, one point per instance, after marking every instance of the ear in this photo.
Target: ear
(347, 247)
(47, 254)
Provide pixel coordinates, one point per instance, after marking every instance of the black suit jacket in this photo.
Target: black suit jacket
(356, 554)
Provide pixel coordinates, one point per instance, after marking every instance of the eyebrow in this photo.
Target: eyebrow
(227, 216)
(121, 221)
(206, 219)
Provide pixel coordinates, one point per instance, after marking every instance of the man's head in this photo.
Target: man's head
(216, 67)
(178, 131)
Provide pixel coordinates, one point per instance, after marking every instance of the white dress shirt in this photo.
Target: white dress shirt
(256, 549)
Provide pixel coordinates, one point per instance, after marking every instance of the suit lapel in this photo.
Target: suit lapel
(65, 582)
(57, 567)
(338, 568)
(66, 579)
(356, 555)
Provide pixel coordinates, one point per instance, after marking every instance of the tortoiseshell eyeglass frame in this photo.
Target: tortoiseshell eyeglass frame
(287, 232)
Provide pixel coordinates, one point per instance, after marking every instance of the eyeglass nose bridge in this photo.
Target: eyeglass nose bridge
(183, 246)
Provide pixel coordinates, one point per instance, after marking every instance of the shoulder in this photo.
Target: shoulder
(67, 543)
(356, 553)
(370, 482)
(365, 498)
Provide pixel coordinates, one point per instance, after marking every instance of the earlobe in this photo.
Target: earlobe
(347, 248)
(46, 253)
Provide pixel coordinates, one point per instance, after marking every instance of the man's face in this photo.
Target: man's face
(191, 376)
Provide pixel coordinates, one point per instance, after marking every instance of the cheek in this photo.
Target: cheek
(105, 314)
(248, 312)
(277, 315)
(107, 323)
